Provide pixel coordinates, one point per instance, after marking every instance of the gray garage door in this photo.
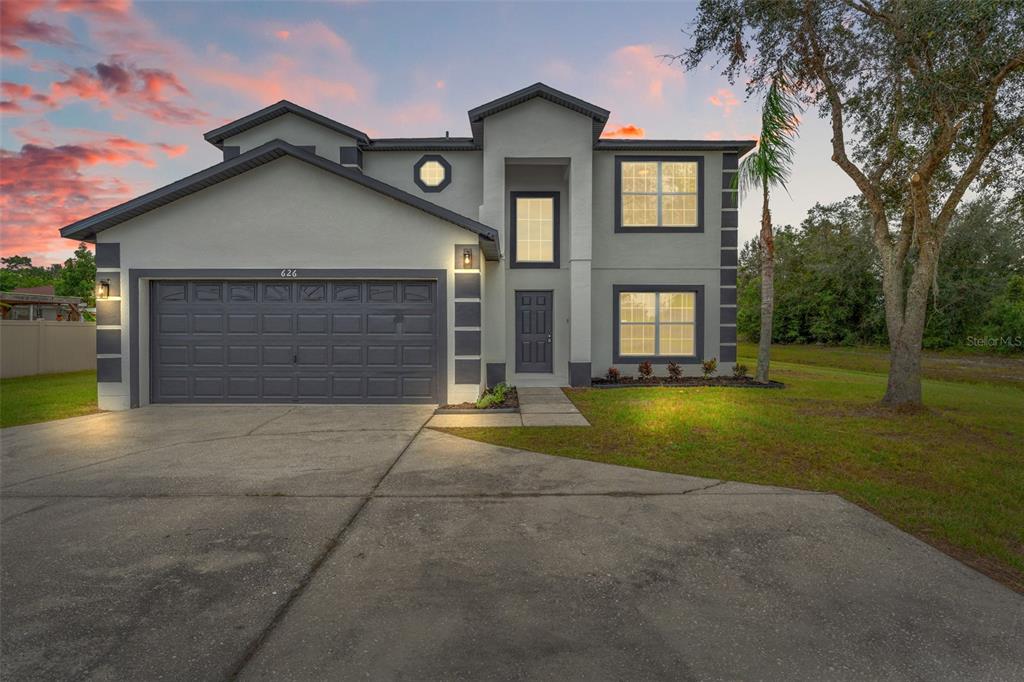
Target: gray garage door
(294, 341)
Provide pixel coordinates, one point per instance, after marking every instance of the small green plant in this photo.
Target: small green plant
(496, 395)
(709, 367)
(646, 370)
(675, 371)
(740, 371)
(613, 375)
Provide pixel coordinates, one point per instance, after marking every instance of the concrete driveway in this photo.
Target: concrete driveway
(313, 542)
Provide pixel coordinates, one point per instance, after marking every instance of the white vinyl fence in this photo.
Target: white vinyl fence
(46, 347)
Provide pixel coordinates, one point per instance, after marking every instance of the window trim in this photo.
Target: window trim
(621, 229)
(555, 229)
(425, 159)
(698, 332)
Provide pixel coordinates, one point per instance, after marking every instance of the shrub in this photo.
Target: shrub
(739, 371)
(613, 375)
(496, 395)
(675, 370)
(646, 370)
(709, 367)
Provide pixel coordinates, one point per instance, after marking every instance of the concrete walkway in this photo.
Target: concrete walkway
(537, 407)
(296, 543)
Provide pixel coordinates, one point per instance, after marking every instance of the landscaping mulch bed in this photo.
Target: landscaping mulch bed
(683, 382)
(511, 404)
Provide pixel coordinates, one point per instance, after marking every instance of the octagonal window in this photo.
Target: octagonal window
(432, 173)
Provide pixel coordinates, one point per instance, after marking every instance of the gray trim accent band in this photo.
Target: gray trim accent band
(467, 285)
(730, 219)
(727, 277)
(731, 160)
(727, 334)
(108, 312)
(495, 373)
(108, 255)
(738, 146)
(114, 278)
(579, 374)
(351, 156)
(727, 353)
(727, 314)
(467, 314)
(730, 199)
(728, 296)
(467, 342)
(659, 359)
(727, 181)
(135, 275)
(108, 342)
(467, 372)
(108, 370)
(728, 258)
(730, 237)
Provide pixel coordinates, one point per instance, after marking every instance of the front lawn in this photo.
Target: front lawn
(953, 474)
(26, 400)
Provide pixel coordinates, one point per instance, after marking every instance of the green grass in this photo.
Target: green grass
(951, 474)
(27, 400)
(973, 367)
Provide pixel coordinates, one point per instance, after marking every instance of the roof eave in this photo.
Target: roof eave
(217, 136)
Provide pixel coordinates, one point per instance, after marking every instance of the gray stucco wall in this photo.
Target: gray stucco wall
(463, 195)
(536, 130)
(646, 258)
(286, 214)
(294, 130)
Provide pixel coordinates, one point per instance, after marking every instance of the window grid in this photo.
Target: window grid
(535, 230)
(682, 204)
(432, 173)
(645, 319)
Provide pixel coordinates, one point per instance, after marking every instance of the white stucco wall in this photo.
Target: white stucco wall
(286, 214)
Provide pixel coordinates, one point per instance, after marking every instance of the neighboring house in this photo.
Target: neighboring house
(39, 303)
(316, 264)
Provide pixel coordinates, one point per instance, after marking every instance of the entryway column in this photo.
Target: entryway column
(581, 218)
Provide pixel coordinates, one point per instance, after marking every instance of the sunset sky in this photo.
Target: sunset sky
(104, 101)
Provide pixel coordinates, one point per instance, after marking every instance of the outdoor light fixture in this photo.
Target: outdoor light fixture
(103, 288)
(467, 258)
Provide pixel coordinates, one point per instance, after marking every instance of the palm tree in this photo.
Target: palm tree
(766, 167)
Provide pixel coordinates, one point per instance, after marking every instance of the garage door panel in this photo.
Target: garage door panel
(313, 341)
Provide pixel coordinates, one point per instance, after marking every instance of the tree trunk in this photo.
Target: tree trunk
(764, 345)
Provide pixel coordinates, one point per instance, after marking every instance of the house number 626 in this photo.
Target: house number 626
(289, 273)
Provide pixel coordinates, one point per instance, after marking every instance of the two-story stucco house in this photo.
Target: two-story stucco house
(315, 264)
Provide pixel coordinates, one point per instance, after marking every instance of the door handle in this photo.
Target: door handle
(549, 338)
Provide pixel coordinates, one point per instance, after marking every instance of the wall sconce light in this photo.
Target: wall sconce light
(467, 258)
(103, 288)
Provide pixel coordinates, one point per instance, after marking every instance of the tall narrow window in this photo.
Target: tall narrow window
(655, 325)
(658, 194)
(534, 219)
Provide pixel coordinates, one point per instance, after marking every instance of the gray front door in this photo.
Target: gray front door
(534, 342)
(337, 341)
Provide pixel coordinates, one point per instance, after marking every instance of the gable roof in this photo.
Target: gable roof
(88, 227)
(218, 135)
(477, 115)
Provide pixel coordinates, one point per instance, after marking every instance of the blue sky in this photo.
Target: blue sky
(104, 101)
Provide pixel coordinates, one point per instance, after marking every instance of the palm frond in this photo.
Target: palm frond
(771, 163)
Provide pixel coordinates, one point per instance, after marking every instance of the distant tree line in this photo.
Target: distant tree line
(828, 280)
(76, 276)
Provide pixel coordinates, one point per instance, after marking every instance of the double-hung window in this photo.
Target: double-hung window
(534, 221)
(658, 323)
(661, 194)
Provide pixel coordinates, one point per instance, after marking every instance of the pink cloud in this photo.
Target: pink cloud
(283, 35)
(724, 100)
(17, 25)
(625, 131)
(43, 188)
(144, 90)
(637, 69)
(18, 96)
(172, 151)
